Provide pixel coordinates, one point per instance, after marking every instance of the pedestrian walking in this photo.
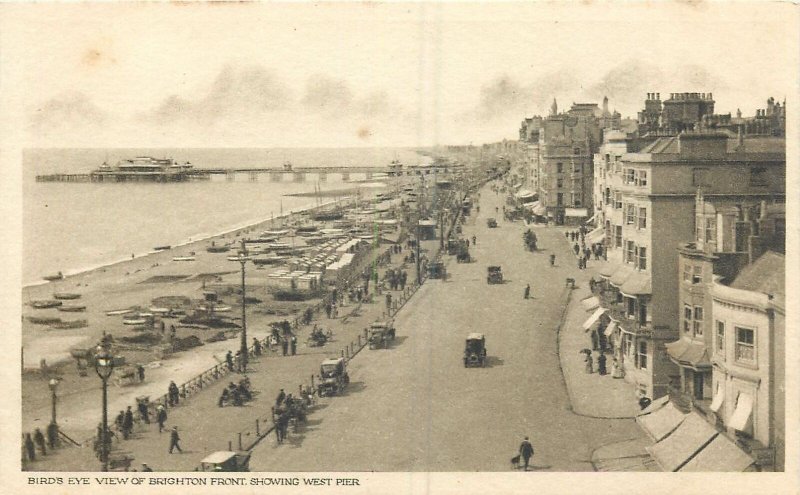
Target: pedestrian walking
(527, 291)
(589, 364)
(285, 346)
(140, 372)
(229, 360)
(474, 241)
(595, 340)
(388, 302)
(161, 417)
(127, 423)
(173, 394)
(552, 260)
(601, 364)
(174, 438)
(328, 309)
(256, 347)
(294, 345)
(576, 248)
(616, 369)
(526, 452)
(120, 419)
(38, 438)
(144, 414)
(30, 449)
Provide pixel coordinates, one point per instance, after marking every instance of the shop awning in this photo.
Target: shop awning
(525, 193)
(610, 328)
(590, 303)
(607, 269)
(721, 455)
(637, 284)
(620, 276)
(719, 396)
(593, 319)
(655, 405)
(690, 437)
(539, 210)
(595, 235)
(662, 422)
(687, 351)
(575, 212)
(741, 416)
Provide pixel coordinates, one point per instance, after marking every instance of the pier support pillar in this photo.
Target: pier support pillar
(230, 176)
(253, 176)
(345, 176)
(323, 177)
(368, 175)
(275, 176)
(299, 177)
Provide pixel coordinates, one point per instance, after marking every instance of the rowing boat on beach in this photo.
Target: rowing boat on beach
(183, 258)
(134, 321)
(72, 308)
(43, 320)
(274, 233)
(162, 248)
(218, 249)
(117, 312)
(51, 278)
(64, 325)
(66, 295)
(45, 304)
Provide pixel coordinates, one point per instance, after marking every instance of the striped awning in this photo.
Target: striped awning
(593, 319)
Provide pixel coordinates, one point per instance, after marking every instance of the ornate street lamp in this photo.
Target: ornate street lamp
(104, 366)
(52, 428)
(242, 258)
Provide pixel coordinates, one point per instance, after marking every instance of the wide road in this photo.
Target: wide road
(414, 407)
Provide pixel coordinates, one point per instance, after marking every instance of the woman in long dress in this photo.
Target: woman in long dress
(589, 364)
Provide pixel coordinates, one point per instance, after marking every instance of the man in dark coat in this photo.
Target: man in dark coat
(279, 399)
(229, 360)
(161, 417)
(127, 423)
(30, 449)
(294, 345)
(527, 292)
(173, 394)
(526, 451)
(601, 364)
(143, 412)
(174, 439)
(285, 345)
(256, 347)
(38, 438)
(140, 372)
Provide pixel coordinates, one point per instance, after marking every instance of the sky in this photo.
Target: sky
(370, 74)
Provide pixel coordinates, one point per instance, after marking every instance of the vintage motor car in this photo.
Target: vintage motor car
(380, 334)
(475, 350)
(491, 223)
(226, 461)
(333, 377)
(494, 275)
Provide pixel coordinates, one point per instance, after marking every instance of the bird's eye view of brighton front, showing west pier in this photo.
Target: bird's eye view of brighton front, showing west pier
(298, 245)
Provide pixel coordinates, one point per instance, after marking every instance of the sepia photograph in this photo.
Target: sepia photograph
(368, 247)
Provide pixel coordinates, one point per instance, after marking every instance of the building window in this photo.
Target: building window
(698, 321)
(642, 355)
(630, 175)
(629, 254)
(618, 236)
(745, 344)
(559, 183)
(642, 258)
(576, 167)
(642, 218)
(576, 199)
(642, 313)
(559, 199)
(687, 318)
(630, 214)
(697, 274)
(711, 230)
(687, 272)
(720, 347)
(780, 227)
(559, 167)
(607, 198)
(758, 176)
(641, 177)
(618, 200)
(576, 151)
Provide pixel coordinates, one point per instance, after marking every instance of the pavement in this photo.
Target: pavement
(415, 407)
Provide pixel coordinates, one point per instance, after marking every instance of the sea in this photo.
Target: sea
(75, 227)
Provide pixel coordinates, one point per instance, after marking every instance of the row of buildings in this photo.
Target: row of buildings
(690, 208)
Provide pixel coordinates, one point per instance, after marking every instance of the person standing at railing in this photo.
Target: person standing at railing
(161, 417)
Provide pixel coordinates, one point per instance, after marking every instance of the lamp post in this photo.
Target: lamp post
(104, 366)
(243, 259)
(52, 428)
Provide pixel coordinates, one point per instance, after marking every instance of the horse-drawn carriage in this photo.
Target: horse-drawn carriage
(494, 275)
(380, 333)
(333, 377)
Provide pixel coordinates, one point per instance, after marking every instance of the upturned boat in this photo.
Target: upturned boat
(72, 308)
(51, 278)
(66, 295)
(47, 303)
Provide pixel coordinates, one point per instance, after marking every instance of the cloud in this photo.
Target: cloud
(500, 97)
(65, 112)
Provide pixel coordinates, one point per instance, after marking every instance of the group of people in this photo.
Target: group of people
(236, 394)
(31, 442)
(396, 278)
(601, 346)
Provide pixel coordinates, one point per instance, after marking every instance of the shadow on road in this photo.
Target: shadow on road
(354, 388)
(398, 341)
(492, 361)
